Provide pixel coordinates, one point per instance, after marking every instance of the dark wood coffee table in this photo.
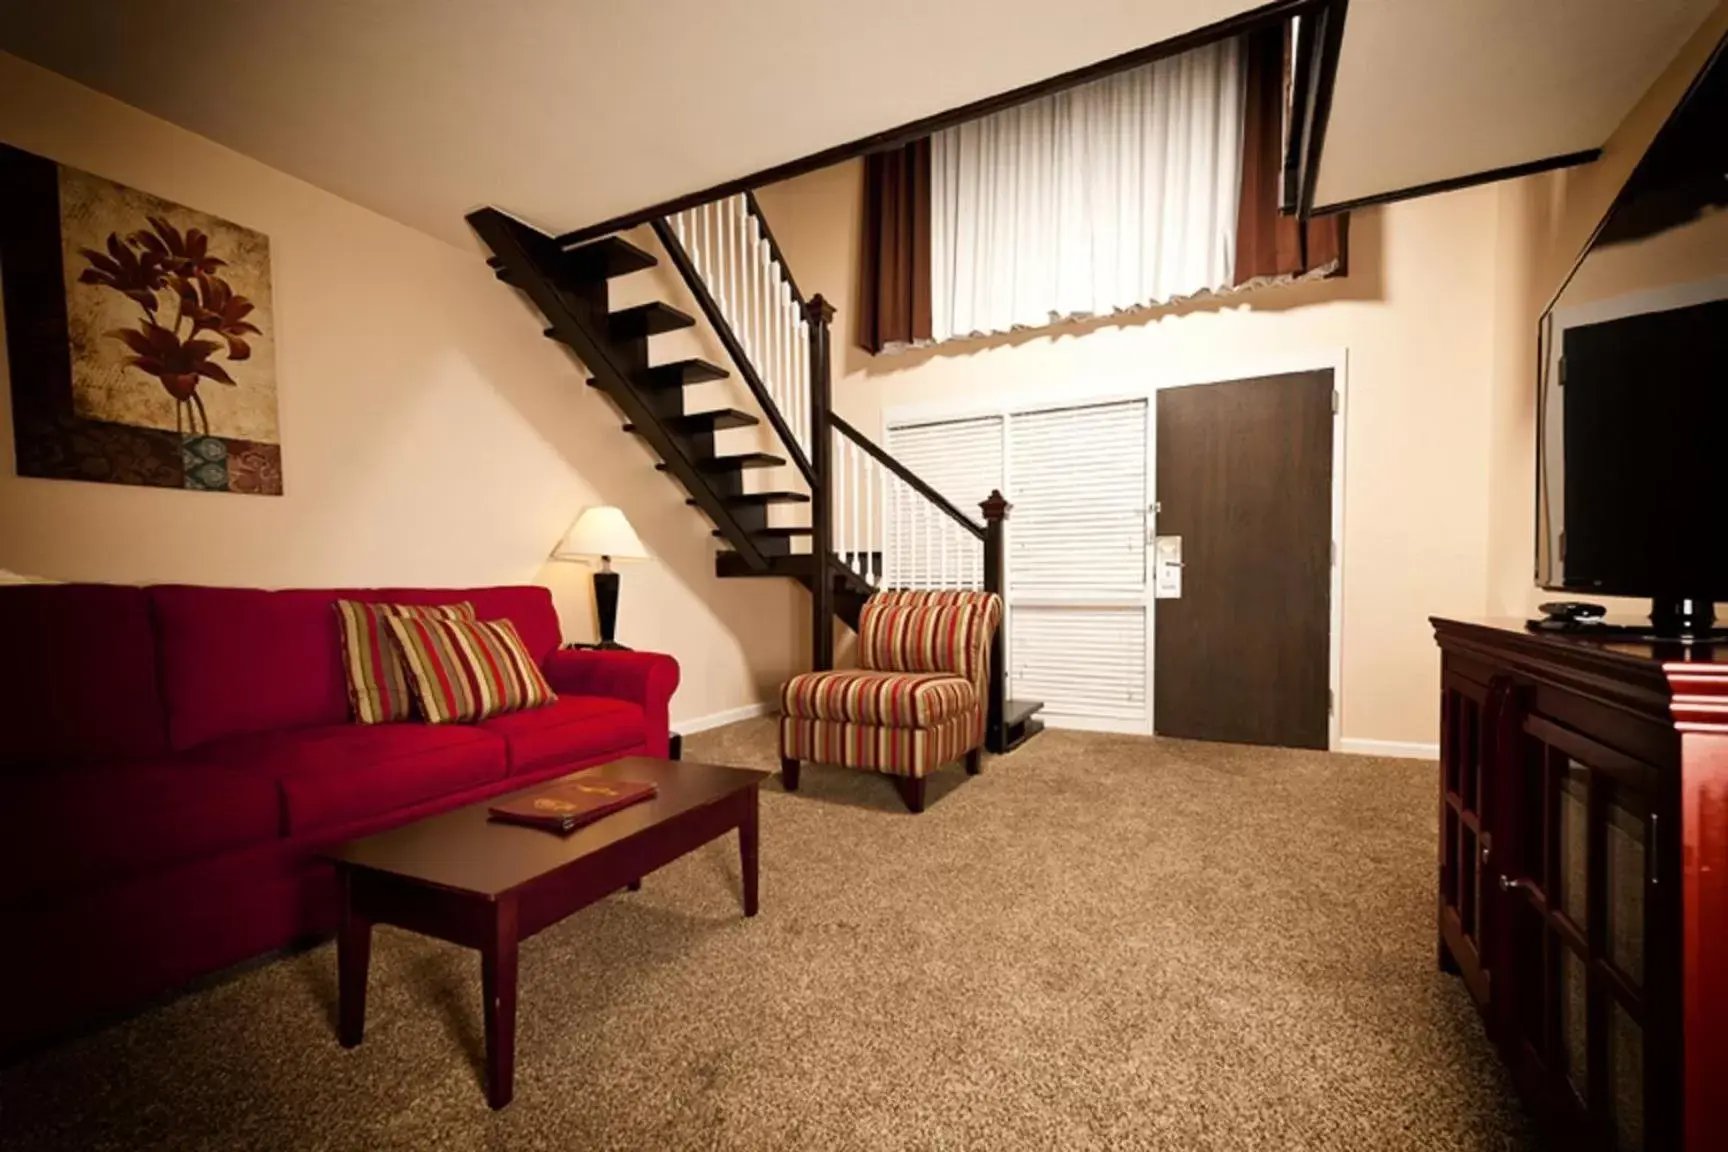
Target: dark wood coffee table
(472, 881)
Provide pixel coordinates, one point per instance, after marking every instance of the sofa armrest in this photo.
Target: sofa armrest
(645, 678)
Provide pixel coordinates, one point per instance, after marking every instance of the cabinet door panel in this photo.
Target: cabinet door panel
(1465, 844)
(1582, 903)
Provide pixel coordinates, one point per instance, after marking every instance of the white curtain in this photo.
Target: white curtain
(1111, 196)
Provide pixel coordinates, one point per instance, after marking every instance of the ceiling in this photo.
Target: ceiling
(566, 112)
(1429, 90)
(563, 112)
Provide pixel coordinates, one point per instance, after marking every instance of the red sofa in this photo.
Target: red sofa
(172, 759)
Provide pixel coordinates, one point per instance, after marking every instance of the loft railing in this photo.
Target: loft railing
(873, 521)
(891, 528)
(729, 258)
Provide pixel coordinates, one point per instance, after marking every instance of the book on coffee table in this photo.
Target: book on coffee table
(568, 806)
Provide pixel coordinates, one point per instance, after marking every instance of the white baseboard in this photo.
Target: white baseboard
(720, 719)
(1407, 749)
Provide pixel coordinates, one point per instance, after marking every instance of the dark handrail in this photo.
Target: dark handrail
(734, 349)
(881, 456)
(774, 247)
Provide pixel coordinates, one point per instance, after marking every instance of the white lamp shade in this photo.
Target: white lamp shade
(601, 531)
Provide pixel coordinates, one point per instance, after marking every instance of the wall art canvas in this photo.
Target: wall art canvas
(139, 335)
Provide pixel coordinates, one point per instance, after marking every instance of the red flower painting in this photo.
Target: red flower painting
(148, 265)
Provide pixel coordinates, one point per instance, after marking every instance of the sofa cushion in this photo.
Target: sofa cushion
(239, 660)
(102, 821)
(340, 773)
(879, 699)
(82, 678)
(378, 685)
(467, 670)
(570, 730)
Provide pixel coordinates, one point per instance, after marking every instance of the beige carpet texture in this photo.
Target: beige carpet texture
(1103, 942)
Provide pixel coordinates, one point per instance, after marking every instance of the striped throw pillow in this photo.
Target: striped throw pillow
(377, 683)
(467, 670)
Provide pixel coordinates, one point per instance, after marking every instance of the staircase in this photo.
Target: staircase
(872, 522)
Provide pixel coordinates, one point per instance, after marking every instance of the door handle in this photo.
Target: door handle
(1521, 884)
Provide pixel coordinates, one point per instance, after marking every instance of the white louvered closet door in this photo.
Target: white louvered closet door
(962, 460)
(1077, 564)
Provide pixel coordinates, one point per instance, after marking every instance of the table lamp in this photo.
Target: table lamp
(603, 532)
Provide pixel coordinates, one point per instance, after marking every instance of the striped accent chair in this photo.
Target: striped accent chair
(917, 700)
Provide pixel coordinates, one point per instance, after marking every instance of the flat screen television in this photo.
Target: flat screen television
(1632, 489)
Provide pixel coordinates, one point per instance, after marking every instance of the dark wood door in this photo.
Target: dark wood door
(1245, 479)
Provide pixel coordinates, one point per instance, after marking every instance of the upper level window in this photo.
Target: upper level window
(1151, 186)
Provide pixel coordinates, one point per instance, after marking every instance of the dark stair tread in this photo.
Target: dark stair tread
(668, 376)
(754, 499)
(696, 423)
(715, 464)
(604, 259)
(680, 373)
(794, 564)
(778, 532)
(648, 319)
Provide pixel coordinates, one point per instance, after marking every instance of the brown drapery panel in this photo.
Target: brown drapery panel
(1269, 243)
(896, 259)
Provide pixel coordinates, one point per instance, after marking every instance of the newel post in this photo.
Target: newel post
(820, 315)
(996, 510)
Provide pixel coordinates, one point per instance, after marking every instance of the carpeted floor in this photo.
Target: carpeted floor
(1102, 942)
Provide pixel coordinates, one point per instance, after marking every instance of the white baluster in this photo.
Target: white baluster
(696, 224)
(908, 536)
(713, 225)
(746, 274)
(705, 244)
(781, 344)
(722, 258)
(896, 533)
(789, 363)
(838, 496)
(871, 544)
(857, 463)
(729, 263)
(806, 416)
(753, 279)
(800, 386)
(770, 298)
(753, 273)
(759, 274)
(699, 244)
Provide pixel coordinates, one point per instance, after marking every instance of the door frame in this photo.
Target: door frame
(1145, 384)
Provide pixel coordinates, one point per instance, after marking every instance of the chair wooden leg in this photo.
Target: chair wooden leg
(975, 761)
(911, 790)
(789, 773)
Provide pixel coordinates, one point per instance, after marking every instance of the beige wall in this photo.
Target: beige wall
(1415, 320)
(1546, 221)
(1693, 251)
(430, 436)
